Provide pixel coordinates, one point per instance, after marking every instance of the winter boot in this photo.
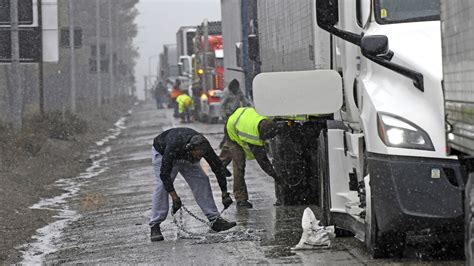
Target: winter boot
(220, 224)
(244, 204)
(156, 233)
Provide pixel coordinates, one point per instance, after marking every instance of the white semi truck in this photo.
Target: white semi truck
(185, 48)
(383, 167)
(457, 24)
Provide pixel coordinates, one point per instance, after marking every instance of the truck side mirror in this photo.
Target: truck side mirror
(253, 47)
(327, 16)
(364, 12)
(312, 92)
(180, 68)
(238, 54)
(374, 45)
(327, 13)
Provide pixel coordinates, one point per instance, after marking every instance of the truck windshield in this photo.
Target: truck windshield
(401, 11)
(186, 65)
(220, 62)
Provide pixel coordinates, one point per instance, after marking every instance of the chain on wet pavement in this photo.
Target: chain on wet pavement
(180, 225)
(223, 237)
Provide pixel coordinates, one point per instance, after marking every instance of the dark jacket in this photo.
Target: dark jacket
(171, 144)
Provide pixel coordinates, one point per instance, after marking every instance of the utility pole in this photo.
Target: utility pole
(15, 84)
(99, 81)
(245, 48)
(205, 29)
(146, 87)
(40, 63)
(111, 52)
(72, 56)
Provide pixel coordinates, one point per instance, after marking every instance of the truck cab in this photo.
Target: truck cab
(383, 169)
(185, 72)
(210, 74)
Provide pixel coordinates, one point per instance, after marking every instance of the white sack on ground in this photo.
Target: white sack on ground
(314, 236)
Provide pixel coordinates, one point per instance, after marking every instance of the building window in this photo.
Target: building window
(65, 37)
(103, 50)
(93, 51)
(104, 66)
(25, 12)
(92, 66)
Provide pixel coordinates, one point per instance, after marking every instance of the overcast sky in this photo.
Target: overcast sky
(158, 22)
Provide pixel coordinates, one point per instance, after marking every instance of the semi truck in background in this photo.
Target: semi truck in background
(457, 24)
(185, 48)
(200, 62)
(169, 65)
(240, 18)
(382, 165)
(208, 69)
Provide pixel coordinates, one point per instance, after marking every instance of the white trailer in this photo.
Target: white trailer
(383, 167)
(231, 36)
(170, 65)
(457, 24)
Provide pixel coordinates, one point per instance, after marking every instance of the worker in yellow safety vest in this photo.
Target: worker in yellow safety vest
(246, 132)
(185, 107)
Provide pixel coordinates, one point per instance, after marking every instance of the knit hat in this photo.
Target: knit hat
(197, 141)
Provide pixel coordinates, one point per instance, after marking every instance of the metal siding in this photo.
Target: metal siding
(231, 34)
(458, 68)
(286, 34)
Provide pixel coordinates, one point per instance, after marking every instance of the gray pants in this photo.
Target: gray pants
(196, 179)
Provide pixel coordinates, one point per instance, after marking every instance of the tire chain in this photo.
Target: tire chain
(180, 225)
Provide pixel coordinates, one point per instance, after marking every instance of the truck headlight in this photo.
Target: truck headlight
(398, 132)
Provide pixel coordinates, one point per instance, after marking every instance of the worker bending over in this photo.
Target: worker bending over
(180, 150)
(246, 132)
(185, 107)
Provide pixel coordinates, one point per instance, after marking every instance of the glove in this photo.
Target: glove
(177, 205)
(226, 200)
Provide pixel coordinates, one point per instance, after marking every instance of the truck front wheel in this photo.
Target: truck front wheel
(380, 244)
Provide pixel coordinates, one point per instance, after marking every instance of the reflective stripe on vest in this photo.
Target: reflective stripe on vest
(242, 128)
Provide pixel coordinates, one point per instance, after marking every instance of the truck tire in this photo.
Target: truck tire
(469, 222)
(383, 245)
(380, 244)
(294, 155)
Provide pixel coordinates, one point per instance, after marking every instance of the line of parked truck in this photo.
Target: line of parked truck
(197, 61)
(376, 99)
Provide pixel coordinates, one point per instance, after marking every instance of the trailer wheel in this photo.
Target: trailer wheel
(469, 222)
(204, 118)
(294, 153)
(380, 244)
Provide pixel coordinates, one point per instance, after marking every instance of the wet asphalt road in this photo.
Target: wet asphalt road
(110, 225)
